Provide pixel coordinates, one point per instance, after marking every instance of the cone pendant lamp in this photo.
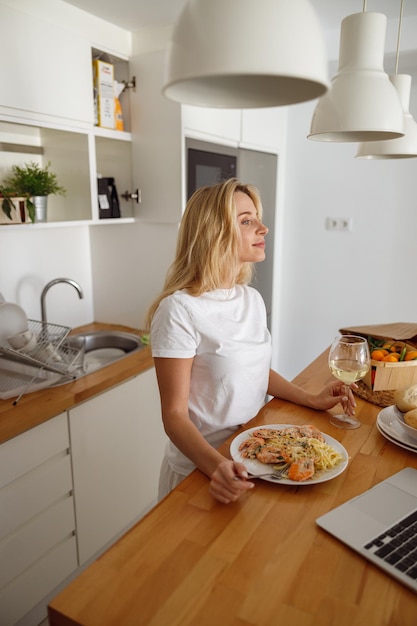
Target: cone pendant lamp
(246, 54)
(403, 147)
(361, 104)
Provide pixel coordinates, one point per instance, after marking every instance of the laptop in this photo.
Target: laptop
(381, 524)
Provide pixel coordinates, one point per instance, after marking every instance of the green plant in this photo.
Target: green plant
(28, 181)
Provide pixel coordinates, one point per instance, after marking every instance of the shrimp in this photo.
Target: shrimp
(251, 446)
(310, 431)
(291, 431)
(271, 454)
(302, 469)
(266, 433)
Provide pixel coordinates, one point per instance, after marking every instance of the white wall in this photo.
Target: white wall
(30, 257)
(126, 277)
(330, 279)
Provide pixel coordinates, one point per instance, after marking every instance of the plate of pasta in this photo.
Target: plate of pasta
(312, 456)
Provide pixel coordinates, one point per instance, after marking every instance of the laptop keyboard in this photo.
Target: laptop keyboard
(398, 546)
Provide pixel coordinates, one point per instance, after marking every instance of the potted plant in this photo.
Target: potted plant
(34, 183)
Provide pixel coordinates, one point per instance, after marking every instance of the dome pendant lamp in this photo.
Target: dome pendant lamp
(246, 54)
(361, 104)
(404, 147)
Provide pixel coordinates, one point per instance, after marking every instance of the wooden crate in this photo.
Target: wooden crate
(389, 376)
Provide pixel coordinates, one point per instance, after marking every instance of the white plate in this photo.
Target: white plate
(256, 467)
(388, 425)
(395, 441)
(407, 430)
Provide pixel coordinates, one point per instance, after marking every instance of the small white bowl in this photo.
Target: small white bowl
(25, 341)
(411, 432)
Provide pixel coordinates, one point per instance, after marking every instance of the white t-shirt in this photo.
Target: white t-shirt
(225, 331)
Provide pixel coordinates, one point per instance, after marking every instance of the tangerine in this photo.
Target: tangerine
(378, 355)
(410, 356)
(391, 358)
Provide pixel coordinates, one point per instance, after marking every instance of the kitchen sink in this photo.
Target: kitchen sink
(101, 347)
(78, 355)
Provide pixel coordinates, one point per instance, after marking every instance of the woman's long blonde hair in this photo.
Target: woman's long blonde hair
(208, 241)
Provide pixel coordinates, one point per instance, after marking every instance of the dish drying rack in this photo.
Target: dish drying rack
(49, 353)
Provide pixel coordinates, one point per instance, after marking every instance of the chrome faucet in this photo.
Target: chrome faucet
(51, 284)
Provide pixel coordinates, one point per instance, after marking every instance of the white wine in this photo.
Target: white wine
(348, 370)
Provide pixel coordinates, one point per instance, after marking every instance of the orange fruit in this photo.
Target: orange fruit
(411, 355)
(391, 358)
(378, 355)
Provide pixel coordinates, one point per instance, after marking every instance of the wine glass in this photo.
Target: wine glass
(349, 361)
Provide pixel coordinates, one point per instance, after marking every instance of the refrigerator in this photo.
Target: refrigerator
(209, 163)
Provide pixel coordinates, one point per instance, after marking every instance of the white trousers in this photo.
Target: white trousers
(168, 479)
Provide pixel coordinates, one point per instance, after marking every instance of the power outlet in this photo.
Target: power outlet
(341, 224)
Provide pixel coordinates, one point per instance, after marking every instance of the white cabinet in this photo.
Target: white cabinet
(265, 130)
(66, 493)
(158, 154)
(37, 522)
(244, 128)
(219, 124)
(45, 74)
(117, 443)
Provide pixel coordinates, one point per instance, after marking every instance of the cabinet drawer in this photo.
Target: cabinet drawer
(32, 541)
(28, 589)
(27, 451)
(34, 492)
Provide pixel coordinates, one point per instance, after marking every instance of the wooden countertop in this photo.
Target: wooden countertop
(39, 406)
(261, 561)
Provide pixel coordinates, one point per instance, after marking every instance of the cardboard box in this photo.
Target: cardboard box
(18, 213)
(103, 73)
(389, 376)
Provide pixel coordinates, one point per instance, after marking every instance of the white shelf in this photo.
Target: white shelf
(108, 133)
(44, 225)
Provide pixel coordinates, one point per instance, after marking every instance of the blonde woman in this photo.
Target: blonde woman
(210, 341)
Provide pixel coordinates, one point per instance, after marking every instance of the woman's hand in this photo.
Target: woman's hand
(229, 481)
(333, 393)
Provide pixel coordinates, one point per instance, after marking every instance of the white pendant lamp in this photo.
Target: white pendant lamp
(246, 54)
(361, 104)
(404, 147)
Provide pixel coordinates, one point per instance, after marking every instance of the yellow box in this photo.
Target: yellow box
(385, 376)
(104, 112)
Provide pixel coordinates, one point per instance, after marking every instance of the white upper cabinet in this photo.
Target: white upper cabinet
(252, 128)
(157, 147)
(221, 124)
(46, 69)
(264, 129)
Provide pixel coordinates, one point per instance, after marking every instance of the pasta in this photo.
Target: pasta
(302, 447)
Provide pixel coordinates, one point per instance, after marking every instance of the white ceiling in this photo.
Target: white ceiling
(135, 14)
